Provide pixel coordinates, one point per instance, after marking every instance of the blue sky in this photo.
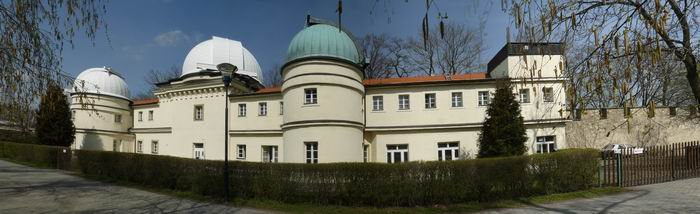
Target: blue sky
(157, 34)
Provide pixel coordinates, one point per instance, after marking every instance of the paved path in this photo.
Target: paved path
(29, 190)
(682, 196)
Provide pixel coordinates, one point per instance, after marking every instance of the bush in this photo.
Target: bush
(373, 184)
(38, 155)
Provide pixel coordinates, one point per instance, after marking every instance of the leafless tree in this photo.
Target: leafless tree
(273, 76)
(154, 77)
(375, 48)
(397, 59)
(632, 36)
(32, 37)
(453, 51)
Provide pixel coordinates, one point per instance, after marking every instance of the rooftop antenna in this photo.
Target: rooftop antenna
(340, 12)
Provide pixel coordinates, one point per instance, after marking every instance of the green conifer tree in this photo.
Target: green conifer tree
(503, 132)
(54, 125)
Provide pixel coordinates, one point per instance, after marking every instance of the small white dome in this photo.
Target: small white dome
(207, 54)
(101, 81)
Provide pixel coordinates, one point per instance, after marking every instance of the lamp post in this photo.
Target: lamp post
(227, 71)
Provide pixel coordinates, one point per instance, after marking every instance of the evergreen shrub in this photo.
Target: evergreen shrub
(368, 184)
(38, 155)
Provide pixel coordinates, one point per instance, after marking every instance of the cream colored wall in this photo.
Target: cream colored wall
(253, 121)
(254, 145)
(95, 124)
(335, 122)
(528, 66)
(166, 144)
(445, 114)
(335, 143)
(162, 117)
(422, 144)
(418, 115)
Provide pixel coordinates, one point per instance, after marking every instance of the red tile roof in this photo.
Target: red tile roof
(400, 80)
(423, 79)
(145, 101)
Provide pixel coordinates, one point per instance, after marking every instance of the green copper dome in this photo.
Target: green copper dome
(323, 40)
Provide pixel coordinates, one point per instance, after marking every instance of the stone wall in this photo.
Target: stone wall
(592, 130)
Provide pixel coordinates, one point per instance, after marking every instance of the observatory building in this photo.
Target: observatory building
(325, 110)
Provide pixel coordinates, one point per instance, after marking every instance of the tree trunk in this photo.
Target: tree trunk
(691, 68)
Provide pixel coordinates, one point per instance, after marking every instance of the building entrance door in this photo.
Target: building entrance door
(199, 151)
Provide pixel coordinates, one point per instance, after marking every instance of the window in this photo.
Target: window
(116, 145)
(365, 153)
(430, 101)
(199, 151)
(72, 116)
(484, 98)
(241, 110)
(396, 153)
(545, 144)
(448, 151)
(404, 102)
(603, 113)
(139, 146)
(117, 118)
(140, 116)
(150, 115)
(377, 103)
(262, 109)
(199, 112)
(311, 152)
(548, 94)
(241, 152)
(154, 147)
(270, 154)
(525, 95)
(457, 99)
(310, 96)
(281, 108)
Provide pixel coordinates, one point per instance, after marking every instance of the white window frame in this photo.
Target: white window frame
(524, 95)
(377, 103)
(199, 115)
(281, 107)
(430, 101)
(262, 109)
(310, 96)
(150, 115)
(457, 100)
(448, 147)
(139, 146)
(117, 118)
(242, 110)
(548, 94)
(311, 152)
(241, 150)
(365, 153)
(154, 147)
(484, 98)
(404, 104)
(545, 144)
(397, 149)
(194, 151)
(271, 156)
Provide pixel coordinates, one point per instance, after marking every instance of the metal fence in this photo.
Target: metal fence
(654, 165)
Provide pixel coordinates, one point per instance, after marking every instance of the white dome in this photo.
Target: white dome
(207, 54)
(101, 81)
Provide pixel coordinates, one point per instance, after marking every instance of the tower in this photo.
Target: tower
(323, 95)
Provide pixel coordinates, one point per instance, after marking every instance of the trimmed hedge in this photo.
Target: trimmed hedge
(373, 184)
(39, 155)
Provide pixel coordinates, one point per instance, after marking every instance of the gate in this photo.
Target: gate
(655, 165)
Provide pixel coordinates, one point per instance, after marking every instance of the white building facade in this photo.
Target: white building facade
(324, 111)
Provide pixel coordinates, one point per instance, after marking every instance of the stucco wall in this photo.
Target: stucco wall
(593, 132)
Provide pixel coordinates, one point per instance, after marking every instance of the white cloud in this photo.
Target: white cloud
(171, 38)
